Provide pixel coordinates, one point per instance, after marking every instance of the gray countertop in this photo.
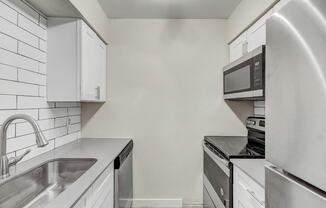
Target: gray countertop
(104, 150)
(254, 168)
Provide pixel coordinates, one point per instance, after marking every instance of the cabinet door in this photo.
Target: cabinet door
(88, 63)
(102, 190)
(238, 47)
(101, 57)
(256, 34)
(246, 193)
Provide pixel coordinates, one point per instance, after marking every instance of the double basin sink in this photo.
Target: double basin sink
(38, 186)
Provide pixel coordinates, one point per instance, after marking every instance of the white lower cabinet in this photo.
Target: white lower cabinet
(101, 193)
(246, 192)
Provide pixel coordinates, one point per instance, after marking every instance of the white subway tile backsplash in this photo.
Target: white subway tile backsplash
(35, 151)
(52, 113)
(23, 9)
(16, 60)
(33, 102)
(4, 114)
(11, 131)
(66, 139)
(259, 111)
(8, 43)
(43, 22)
(31, 27)
(55, 133)
(73, 128)
(25, 128)
(23, 49)
(8, 72)
(42, 68)
(259, 108)
(59, 122)
(31, 77)
(43, 45)
(12, 30)
(7, 102)
(17, 88)
(8, 13)
(74, 119)
(259, 104)
(73, 111)
(22, 142)
(31, 52)
(42, 91)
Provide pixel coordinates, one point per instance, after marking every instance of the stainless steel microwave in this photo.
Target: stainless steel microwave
(244, 79)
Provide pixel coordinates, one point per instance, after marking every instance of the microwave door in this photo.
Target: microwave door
(245, 77)
(237, 82)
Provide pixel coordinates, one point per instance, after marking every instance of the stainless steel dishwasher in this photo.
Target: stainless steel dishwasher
(123, 182)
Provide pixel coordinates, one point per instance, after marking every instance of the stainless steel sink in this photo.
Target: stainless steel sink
(38, 186)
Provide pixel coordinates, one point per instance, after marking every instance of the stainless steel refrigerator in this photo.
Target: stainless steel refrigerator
(296, 106)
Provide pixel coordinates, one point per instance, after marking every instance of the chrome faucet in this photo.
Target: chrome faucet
(5, 163)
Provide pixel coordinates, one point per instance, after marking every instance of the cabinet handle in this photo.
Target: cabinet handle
(98, 92)
(253, 195)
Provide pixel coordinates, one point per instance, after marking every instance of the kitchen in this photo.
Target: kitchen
(159, 104)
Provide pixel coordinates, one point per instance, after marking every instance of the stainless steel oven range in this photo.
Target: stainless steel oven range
(218, 170)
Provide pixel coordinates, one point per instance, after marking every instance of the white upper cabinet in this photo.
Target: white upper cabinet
(76, 62)
(256, 34)
(238, 47)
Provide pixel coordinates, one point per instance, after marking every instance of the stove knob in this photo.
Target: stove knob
(221, 191)
(250, 122)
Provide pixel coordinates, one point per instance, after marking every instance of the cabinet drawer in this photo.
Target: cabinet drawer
(248, 191)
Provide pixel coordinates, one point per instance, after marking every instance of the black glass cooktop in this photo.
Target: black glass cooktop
(236, 146)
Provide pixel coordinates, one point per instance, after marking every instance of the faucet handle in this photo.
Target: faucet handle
(15, 160)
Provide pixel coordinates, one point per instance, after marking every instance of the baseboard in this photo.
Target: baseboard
(193, 206)
(157, 203)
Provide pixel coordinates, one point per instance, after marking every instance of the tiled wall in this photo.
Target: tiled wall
(23, 82)
(259, 108)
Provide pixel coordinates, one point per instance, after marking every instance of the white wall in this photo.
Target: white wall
(165, 91)
(246, 12)
(23, 82)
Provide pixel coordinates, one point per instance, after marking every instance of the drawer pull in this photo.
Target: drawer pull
(253, 195)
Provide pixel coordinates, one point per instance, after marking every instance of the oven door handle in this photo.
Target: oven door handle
(221, 162)
(215, 156)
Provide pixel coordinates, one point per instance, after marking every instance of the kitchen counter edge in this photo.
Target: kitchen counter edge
(105, 150)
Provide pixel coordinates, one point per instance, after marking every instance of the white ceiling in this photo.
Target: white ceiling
(190, 9)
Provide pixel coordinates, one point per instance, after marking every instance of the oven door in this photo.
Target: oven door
(216, 180)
